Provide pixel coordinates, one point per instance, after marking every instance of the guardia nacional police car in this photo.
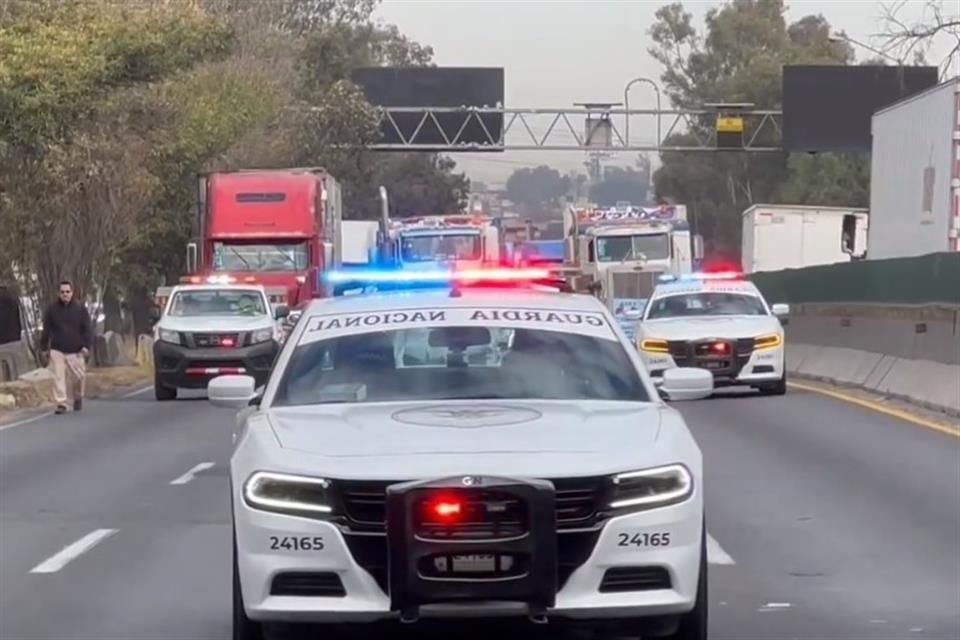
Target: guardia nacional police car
(482, 445)
(718, 322)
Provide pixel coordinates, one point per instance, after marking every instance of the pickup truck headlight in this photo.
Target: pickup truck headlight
(287, 494)
(768, 341)
(262, 335)
(651, 488)
(166, 335)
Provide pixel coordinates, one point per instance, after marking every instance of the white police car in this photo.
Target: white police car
(539, 475)
(718, 322)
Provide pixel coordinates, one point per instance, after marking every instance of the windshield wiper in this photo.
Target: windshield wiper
(234, 251)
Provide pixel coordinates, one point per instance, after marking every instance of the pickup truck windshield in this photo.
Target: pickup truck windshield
(459, 363)
(627, 248)
(424, 248)
(245, 257)
(217, 302)
(706, 304)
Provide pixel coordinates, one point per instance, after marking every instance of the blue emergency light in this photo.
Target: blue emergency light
(394, 279)
(700, 276)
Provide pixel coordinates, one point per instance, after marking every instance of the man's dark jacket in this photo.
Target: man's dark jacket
(66, 328)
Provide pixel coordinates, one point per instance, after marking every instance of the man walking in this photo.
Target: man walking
(68, 336)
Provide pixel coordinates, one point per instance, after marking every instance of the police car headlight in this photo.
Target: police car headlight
(651, 488)
(262, 335)
(287, 494)
(654, 345)
(166, 335)
(768, 341)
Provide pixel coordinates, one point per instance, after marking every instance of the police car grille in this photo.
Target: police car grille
(577, 503)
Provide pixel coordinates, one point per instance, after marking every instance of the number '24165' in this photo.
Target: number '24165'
(644, 540)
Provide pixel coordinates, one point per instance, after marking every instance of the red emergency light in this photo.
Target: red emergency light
(721, 348)
(446, 508)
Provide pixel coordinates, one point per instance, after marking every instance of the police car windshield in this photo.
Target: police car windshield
(459, 362)
(217, 302)
(707, 303)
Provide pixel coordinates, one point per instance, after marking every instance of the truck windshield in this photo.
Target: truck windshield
(706, 304)
(628, 248)
(246, 257)
(427, 248)
(218, 302)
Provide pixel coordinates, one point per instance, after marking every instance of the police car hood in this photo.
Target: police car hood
(710, 327)
(217, 323)
(493, 428)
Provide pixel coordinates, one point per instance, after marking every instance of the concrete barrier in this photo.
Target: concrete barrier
(15, 360)
(907, 352)
(145, 351)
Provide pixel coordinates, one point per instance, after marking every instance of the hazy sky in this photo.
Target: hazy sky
(557, 52)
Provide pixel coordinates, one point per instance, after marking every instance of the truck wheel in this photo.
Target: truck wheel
(161, 392)
(243, 627)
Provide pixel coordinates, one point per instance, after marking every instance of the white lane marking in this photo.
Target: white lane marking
(774, 606)
(188, 476)
(137, 392)
(73, 551)
(716, 554)
(4, 427)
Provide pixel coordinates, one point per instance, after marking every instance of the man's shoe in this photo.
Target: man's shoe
(77, 405)
(60, 409)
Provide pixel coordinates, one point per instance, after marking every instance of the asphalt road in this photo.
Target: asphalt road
(830, 522)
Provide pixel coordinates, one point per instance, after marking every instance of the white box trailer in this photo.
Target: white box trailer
(777, 236)
(915, 175)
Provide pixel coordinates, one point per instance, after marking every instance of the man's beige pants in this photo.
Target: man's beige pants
(69, 372)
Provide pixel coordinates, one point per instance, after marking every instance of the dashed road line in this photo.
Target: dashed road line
(73, 551)
(11, 425)
(189, 475)
(137, 392)
(716, 554)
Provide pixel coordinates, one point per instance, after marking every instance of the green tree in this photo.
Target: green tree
(538, 190)
(739, 58)
(621, 184)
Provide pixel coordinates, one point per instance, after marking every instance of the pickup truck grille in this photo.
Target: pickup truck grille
(205, 340)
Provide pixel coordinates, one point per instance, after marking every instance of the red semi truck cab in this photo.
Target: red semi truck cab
(278, 228)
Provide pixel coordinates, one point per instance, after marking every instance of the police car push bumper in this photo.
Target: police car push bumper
(299, 568)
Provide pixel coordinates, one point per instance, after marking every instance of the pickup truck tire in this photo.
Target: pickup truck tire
(162, 393)
(777, 388)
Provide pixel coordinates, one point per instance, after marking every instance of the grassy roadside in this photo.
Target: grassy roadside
(32, 394)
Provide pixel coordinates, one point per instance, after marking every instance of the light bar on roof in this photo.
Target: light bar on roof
(700, 277)
(437, 276)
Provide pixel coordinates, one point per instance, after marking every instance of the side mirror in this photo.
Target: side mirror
(281, 311)
(155, 313)
(231, 392)
(686, 383)
(780, 309)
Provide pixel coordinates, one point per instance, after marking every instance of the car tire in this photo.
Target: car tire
(161, 392)
(778, 388)
(243, 627)
(692, 625)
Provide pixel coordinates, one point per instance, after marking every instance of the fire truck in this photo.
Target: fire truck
(278, 228)
(618, 253)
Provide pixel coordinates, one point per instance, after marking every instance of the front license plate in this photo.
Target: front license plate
(474, 564)
(713, 364)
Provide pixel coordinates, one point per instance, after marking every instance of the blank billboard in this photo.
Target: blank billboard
(829, 108)
(437, 87)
